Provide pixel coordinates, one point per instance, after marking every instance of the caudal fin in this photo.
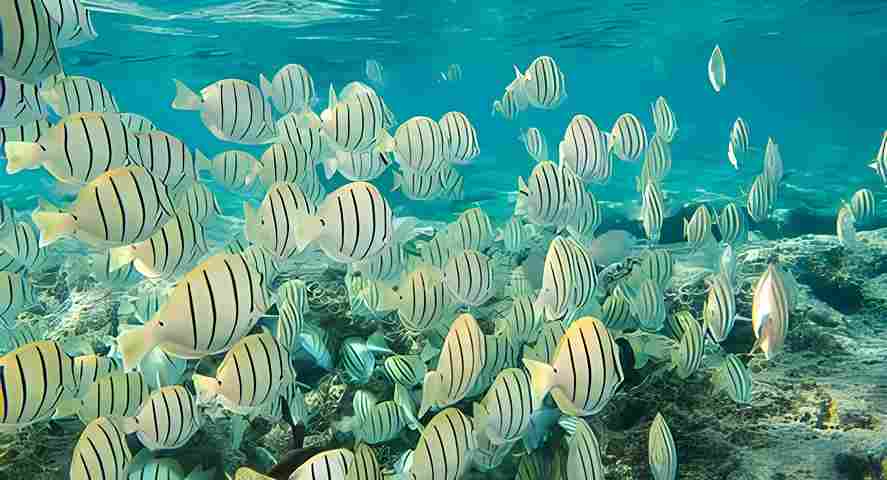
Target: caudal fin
(207, 387)
(330, 165)
(541, 379)
(432, 391)
(22, 156)
(134, 344)
(119, 257)
(186, 99)
(53, 226)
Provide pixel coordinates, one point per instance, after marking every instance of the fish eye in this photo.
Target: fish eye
(161, 324)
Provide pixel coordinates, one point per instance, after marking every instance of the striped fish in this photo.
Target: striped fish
(36, 377)
(167, 419)
(452, 183)
(232, 110)
(533, 466)
(584, 454)
(734, 378)
(504, 413)
(727, 263)
(760, 198)
(420, 145)
(697, 230)
(20, 103)
(717, 73)
(584, 275)
(136, 123)
(285, 162)
(547, 342)
(417, 186)
(76, 150)
(23, 244)
(16, 294)
(648, 306)
(846, 228)
(291, 89)
(199, 202)
(628, 138)
(661, 450)
(118, 394)
(473, 230)
(663, 119)
(436, 252)
(557, 294)
(584, 151)
(89, 368)
(543, 83)
(275, 224)
(534, 141)
(252, 374)
(460, 138)
(354, 89)
(73, 21)
(513, 234)
(863, 205)
(315, 340)
(354, 124)
(168, 253)
(101, 452)
(357, 166)
(652, 212)
(616, 312)
(208, 311)
(388, 266)
(263, 261)
(121, 207)
(733, 225)
(542, 198)
(313, 188)
(585, 370)
(328, 465)
(27, 42)
(406, 370)
(453, 73)
(295, 293)
(79, 95)
(170, 159)
(352, 223)
(658, 265)
(366, 465)
(357, 360)
(502, 353)
(383, 422)
(29, 132)
(508, 106)
(719, 312)
(880, 163)
(469, 277)
(738, 148)
(773, 166)
(444, 448)
(455, 373)
(289, 325)
(588, 216)
(236, 170)
(770, 311)
(292, 130)
(687, 357)
(657, 163)
(523, 322)
(421, 301)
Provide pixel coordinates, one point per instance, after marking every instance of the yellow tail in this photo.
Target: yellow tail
(541, 379)
(134, 344)
(53, 225)
(23, 156)
(186, 99)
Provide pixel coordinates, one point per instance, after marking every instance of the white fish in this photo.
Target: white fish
(23, 243)
(285, 162)
(588, 216)
(585, 370)
(354, 89)
(761, 196)
(719, 312)
(717, 74)
(275, 224)
(28, 53)
(170, 159)
(355, 123)
(74, 22)
(502, 353)
(420, 145)
(168, 253)
(863, 205)
(199, 202)
(584, 151)
(455, 373)
(381, 423)
(663, 118)
(357, 166)
(289, 326)
(417, 186)
(652, 212)
(733, 225)
(846, 228)
(37, 376)
(291, 89)
(232, 110)
(444, 448)
(421, 301)
(167, 419)
(504, 413)
(687, 356)
(99, 268)
(235, 170)
(773, 166)
(436, 252)
(209, 310)
(534, 141)
(628, 138)
(738, 148)
(452, 183)
(542, 198)
(136, 123)
(89, 368)
(20, 103)
(121, 207)
(294, 292)
(658, 264)
(543, 83)
(547, 342)
(328, 465)
(733, 377)
(657, 163)
(374, 72)
(118, 394)
(101, 452)
(292, 129)
(79, 95)
(508, 106)
(388, 266)
(556, 297)
(406, 370)
(880, 163)
(460, 137)
(514, 234)
(473, 230)
(697, 230)
(661, 450)
(648, 306)
(453, 73)
(357, 360)
(469, 276)
(76, 150)
(616, 311)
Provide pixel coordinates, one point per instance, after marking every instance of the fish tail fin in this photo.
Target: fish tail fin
(185, 99)
(520, 202)
(130, 425)
(265, 85)
(497, 107)
(202, 162)
(23, 156)
(207, 387)
(119, 257)
(134, 344)
(332, 98)
(251, 223)
(432, 391)
(386, 142)
(330, 165)
(542, 378)
(68, 408)
(53, 225)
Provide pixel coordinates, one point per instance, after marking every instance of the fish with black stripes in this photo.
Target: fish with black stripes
(738, 148)
(508, 106)
(23, 243)
(30, 132)
(697, 230)
(760, 199)
(168, 254)
(470, 277)
(28, 50)
(504, 413)
(652, 212)
(232, 110)
(136, 124)
(101, 452)
(535, 143)
(36, 377)
(664, 120)
(199, 202)
(73, 20)
(357, 166)
(167, 419)
(542, 198)
(543, 84)
(864, 206)
(118, 394)
(686, 358)
(661, 452)
(719, 311)
(406, 370)
(170, 159)
(235, 169)
(523, 322)
(455, 374)
(76, 94)
(657, 163)
(445, 447)
(584, 150)
(733, 224)
(734, 378)
(472, 230)
(20, 103)
(460, 138)
(290, 90)
(628, 138)
(420, 145)
(356, 122)
(17, 293)
(417, 186)
(274, 225)
(285, 162)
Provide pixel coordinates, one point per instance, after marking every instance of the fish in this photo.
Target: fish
(170, 159)
(584, 274)
(313, 188)
(560, 280)
(374, 72)
(295, 293)
(658, 265)
(697, 230)
(502, 353)
(168, 254)
(120, 207)
(770, 311)
(37, 376)
(290, 90)
(275, 224)
(664, 120)
(846, 228)
(534, 141)
(460, 138)
(453, 73)
(406, 370)
(648, 305)
(417, 186)
(339, 121)
(135, 123)
(118, 394)
(661, 450)
(199, 202)
(532, 466)
(686, 358)
(293, 129)
(863, 205)
(583, 454)
(616, 312)
(20, 103)
(880, 163)
(235, 169)
(227, 291)
(584, 151)
(444, 448)
(719, 311)
(99, 268)
(248, 120)
(382, 422)
(455, 375)
(760, 198)
(508, 106)
(29, 132)
(717, 73)
(628, 138)
(16, 294)
(522, 323)
(488, 455)
(77, 150)
(354, 89)
(652, 212)
(27, 42)
(8, 263)
(469, 276)
(75, 94)
(167, 419)
(357, 166)
(733, 225)
(387, 267)
(168, 468)
(504, 413)
(74, 22)
(543, 83)
(357, 360)
(585, 370)
(738, 148)
(436, 252)
(252, 374)
(23, 244)
(657, 163)
(315, 340)
(101, 452)
(328, 465)
(542, 198)
(365, 466)
(473, 230)
(734, 378)
(452, 183)
(727, 263)
(514, 234)
(421, 301)
(285, 162)
(289, 325)
(420, 145)
(588, 216)
(773, 166)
